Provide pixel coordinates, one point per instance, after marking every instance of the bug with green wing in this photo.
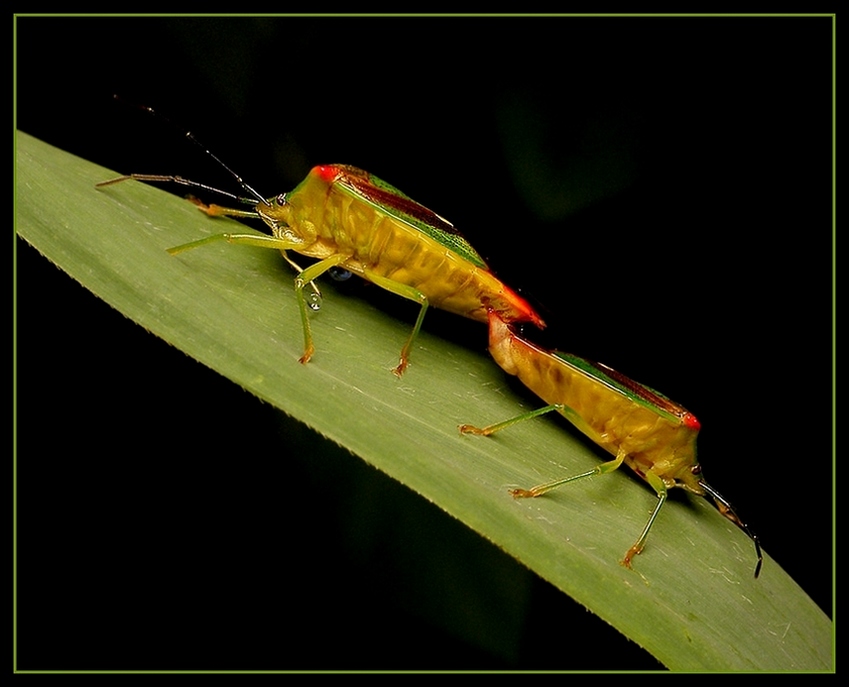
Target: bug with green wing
(642, 428)
(349, 219)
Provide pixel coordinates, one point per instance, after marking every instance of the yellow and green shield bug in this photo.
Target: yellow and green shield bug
(349, 219)
(642, 428)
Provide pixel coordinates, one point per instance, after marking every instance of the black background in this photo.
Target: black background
(660, 187)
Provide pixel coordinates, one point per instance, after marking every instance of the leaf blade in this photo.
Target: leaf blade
(234, 311)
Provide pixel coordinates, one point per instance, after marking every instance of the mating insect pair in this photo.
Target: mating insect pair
(346, 218)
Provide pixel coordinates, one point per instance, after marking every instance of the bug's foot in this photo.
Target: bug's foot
(211, 210)
(471, 429)
(524, 493)
(629, 555)
(307, 356)
(194, 200)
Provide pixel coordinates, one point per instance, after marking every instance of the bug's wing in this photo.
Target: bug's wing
(397, 204)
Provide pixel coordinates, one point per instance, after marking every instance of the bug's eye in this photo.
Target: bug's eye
(281, 199)
(696, 469)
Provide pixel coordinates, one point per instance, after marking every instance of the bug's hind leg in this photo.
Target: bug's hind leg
(541, 489)
(410, 293)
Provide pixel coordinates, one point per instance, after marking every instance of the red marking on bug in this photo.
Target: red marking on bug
(525, 311)
(691, 422)
(328, 173)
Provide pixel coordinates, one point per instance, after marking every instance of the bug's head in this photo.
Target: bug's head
(282, 218)
(687, 474)
(677, 461)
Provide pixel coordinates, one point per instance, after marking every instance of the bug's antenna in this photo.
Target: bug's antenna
(728, 511)
(188, 134)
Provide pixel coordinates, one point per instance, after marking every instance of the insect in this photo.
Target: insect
(643, 429)
(349, 219)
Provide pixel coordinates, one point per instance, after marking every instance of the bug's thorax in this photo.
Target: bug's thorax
(342, 210)
(299, 217)
(677, 468)
(319, 219)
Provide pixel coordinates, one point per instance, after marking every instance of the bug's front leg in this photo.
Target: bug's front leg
(214, 210)
(257, 240)
(306, 277)
(658, 485)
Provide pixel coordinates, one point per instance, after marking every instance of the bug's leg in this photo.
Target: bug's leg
(220, 211)
(257, 240)
(409, 293)
(658, 485)
(541, 489)
(306, 277)
(561, 408)
(576, 419)
(315, 297)
(491, 429)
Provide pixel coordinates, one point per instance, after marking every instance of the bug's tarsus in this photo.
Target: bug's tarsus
(728, 511)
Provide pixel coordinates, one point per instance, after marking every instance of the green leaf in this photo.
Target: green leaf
(691, 599)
